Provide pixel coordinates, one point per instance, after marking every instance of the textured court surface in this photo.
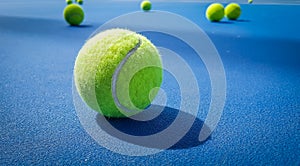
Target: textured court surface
(260, 123)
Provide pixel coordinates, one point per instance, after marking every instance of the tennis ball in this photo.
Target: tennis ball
(250, 1)
(69, 2)
(117, 73)
(215, 12)
(233, 11)
(80, 2)
(73, 14)
(146, 5)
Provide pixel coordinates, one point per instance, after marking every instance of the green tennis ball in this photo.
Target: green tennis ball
(80, 2)
(250, 1)
(73, 14)
(69, 2)
(118, 70)
(146, 5)
(233, 11)
(215, 12)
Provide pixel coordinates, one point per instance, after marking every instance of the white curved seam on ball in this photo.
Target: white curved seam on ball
(117, 72)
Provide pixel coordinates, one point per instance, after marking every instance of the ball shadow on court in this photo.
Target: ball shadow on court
(81, 26)
(158, 124)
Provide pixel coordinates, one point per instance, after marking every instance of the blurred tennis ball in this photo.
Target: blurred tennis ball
(73, 14)
(69, 2)
(215, 12)
(80, 2)
(146, 5)
(233, 11)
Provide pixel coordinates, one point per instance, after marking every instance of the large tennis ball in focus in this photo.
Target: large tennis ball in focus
(118, 73)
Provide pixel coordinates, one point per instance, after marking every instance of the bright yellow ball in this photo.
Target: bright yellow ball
(146, 5)
(73, 14)
(233, 11)
(215, 12)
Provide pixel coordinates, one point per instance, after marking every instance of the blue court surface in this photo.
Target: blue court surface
(40, 123)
